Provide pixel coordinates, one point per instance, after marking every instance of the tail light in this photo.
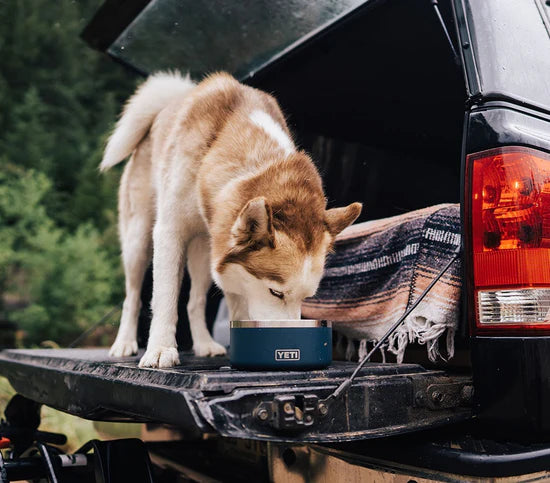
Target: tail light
(508, 239)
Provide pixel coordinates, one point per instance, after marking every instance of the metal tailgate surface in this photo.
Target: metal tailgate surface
(203, 395)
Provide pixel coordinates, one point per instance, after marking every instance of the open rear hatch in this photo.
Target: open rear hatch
(204, 395)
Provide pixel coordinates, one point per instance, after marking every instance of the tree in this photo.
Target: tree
(59, 259)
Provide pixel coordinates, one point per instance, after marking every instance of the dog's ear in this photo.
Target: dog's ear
(254, 225)
(336, 219)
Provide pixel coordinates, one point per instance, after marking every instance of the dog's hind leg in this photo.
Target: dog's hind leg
(135, 225)
(136, 254)
(198, 264)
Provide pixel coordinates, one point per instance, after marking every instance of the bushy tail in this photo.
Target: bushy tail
(139, 113)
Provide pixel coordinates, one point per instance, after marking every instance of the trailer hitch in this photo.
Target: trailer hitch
(290, 413)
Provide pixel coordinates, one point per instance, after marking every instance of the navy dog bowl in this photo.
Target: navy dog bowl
(280, 344)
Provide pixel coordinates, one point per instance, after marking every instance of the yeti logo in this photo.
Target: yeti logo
(287, 354)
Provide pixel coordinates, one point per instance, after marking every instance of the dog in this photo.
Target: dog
(214, 183)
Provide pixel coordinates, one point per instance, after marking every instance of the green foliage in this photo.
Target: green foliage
(59, 257)
(65, 278)
(70, 291)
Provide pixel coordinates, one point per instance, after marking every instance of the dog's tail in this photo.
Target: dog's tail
(140, 112)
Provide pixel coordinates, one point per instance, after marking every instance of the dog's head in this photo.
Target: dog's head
(276, 256)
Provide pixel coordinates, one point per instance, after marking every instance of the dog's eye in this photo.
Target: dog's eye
(275, 293)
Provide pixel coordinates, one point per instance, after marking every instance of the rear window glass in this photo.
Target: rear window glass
(238, 37)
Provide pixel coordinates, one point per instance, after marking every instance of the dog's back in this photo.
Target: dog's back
(229, 127)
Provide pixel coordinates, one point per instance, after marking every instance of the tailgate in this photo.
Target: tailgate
(204, 395)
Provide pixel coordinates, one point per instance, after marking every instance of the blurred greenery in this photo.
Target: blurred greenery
(77, 430)
(59, 257)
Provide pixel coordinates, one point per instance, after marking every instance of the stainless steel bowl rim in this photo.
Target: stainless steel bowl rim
(284, 324)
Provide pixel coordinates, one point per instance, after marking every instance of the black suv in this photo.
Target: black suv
(403, 104)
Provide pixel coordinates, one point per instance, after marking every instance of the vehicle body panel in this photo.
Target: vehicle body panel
(503, 45)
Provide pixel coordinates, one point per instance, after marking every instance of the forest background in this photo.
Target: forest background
(60, 267)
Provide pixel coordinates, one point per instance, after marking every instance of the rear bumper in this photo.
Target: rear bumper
(437, 455)
(512, 385)
(433, 456)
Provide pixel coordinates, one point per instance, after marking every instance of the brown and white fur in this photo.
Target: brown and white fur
(215, 181)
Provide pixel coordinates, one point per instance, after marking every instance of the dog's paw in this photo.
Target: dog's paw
(160, 357)
(123, 348)
(209, 349)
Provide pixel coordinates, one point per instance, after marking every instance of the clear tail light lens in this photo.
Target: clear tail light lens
(530, 305)
(508, 204)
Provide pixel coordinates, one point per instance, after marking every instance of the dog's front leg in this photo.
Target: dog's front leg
(168, 259)
(198, 265)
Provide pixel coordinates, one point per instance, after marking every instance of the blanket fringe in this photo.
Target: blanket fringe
(363, 349)
(414, 329)
(350, 349)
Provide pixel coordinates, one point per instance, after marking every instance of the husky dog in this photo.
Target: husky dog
(215, 183)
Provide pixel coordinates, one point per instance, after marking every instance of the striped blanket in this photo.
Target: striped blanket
(379, 268)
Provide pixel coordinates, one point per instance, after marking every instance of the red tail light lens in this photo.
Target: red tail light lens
(509, 209)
